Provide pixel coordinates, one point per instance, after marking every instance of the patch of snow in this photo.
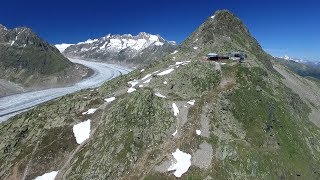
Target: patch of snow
(24, 45)
(195, 48)
(110, 99)
(90, 111)
(168, 71)
(183, 63)
(62, 47)
(115, 44)
(286, 57)
(130, 90)
(104, 45)
(139, 44)
(12, 43)
(175, 133)
(147, 81)
(108, 35)
(198, 132)
(212, 17)
(81, 131)
(16, 37)
(146, 77)
(141, 70)
(159, 43)
(191, 102)
(140, 86)
(160, 95)
(223, 63)
(165, 82)
(131, 42)
(153, 38)
(175, 109)
(47, 176)
(84, 49)
(133, 83)
(173, 42)
(175, 52)
(183, 162)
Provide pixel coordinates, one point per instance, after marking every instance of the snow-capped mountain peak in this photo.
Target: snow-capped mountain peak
(124, 47)
(286, 57)
(121, 42)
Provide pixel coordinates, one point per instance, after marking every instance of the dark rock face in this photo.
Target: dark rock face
(141, 49)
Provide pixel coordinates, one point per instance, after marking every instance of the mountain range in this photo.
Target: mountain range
(180, 117)
(126, 49)
(303, 68)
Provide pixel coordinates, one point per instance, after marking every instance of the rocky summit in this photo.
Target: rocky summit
(141, 49)
(181, 117)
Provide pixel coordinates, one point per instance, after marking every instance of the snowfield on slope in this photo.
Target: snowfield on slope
(160, 95)
(90, 111)
(168, 71)
(130, 90)
(81, 131)
(175, 109)
(191, 102)
(47, 176)
(183, 162)
(110, 99)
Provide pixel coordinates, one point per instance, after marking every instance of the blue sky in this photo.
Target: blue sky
(282, 27)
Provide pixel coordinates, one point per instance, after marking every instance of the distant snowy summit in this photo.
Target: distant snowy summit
(286, 57)
(140, 49)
